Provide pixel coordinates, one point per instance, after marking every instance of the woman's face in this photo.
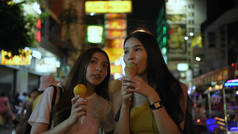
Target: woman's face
(97, 69)
(135, 52)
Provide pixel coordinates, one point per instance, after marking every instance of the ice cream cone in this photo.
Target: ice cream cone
(80, 90)
(130, 70)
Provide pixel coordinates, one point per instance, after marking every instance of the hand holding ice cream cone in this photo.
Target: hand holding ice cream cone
(80, 90)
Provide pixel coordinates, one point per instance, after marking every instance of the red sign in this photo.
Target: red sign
(115, 16)
(38, 33)
(116, 24)
(115, 43)
(116, 34)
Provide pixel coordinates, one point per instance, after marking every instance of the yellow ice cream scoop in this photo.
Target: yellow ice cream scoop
(80, 89)
(130, 70)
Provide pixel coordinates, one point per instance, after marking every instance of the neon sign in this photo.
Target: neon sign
(24, 58)
(94, 34)
(108, 6)
(231, 83)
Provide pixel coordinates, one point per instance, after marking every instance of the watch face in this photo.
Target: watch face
(157, 104)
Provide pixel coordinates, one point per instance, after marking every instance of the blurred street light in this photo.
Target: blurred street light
(186, 38)
(198, 59)
(191, 33)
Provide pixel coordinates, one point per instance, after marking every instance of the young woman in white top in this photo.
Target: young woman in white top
(92, 68)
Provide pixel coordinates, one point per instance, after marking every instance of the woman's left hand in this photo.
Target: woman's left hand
(141, 87)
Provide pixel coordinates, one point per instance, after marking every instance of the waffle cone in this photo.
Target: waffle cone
(130, 70)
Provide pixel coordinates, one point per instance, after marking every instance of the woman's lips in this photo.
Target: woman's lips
(97, 76)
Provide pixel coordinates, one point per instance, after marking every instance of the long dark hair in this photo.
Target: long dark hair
(158, 75)
(78, 75)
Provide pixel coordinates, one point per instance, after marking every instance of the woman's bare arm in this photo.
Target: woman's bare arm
(42, 128)
(78, 110)
(122, 126)
(164, 122)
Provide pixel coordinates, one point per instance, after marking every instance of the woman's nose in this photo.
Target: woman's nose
(131, 56)
(98, 68)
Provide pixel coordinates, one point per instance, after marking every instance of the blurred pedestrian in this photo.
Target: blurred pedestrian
(5, 110)
(23, 97)
(23, 127)
(16, 103)
(45, 82)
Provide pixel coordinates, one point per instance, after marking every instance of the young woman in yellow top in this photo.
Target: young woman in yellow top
(153, 102)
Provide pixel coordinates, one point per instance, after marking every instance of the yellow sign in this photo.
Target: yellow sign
(108, 7)
(23, 59)
(196, 41)
(116, 34)
(115, 43)
(116, 24)
(114, 53)
(116, 69)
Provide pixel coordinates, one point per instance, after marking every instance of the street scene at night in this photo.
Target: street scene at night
(119, 67)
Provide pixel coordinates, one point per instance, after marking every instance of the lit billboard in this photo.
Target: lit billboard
(94, 34)
(108, 7)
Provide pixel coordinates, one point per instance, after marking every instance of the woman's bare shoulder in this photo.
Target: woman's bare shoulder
(114, 86)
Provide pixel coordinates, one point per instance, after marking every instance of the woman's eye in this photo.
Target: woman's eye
(138, 49)
(93, 61)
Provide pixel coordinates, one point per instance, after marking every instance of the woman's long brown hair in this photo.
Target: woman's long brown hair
(77, 75)
(158, 74)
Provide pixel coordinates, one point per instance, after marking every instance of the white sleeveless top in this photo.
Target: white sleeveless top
(99, 114)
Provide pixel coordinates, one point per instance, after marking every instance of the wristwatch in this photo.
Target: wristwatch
(156, 105)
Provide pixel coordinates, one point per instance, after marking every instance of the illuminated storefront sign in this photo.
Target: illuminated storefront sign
(38, 32)
(176, 6)
(23, 59)
(94, 34)
(115, 16)
(182, 67)
(116, 24)
(116, 34)
(176, 19)
(231, 83)
(108, 6)
(116, 69)
(115, 43)
(196, 41)
(114, 53)
(47, 65)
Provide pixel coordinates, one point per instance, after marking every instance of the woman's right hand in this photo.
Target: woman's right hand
(126, 95)
(79, 109)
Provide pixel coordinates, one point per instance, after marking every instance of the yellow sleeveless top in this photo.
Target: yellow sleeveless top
(36, 101)
(142, 121)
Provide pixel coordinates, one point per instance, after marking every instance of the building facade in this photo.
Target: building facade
(184, 18)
